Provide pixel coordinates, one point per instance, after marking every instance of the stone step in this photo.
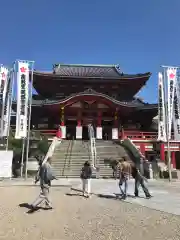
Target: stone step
(69, 157)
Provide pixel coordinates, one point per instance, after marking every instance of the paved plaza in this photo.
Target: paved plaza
(101, 217)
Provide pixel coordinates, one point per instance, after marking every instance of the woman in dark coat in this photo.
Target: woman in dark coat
(86, 174)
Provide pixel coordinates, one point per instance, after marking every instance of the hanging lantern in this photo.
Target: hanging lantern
(116, 116)
(62, 116)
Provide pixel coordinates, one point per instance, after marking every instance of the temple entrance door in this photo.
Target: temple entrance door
(85, 133)
(70, 130)
(107, 133)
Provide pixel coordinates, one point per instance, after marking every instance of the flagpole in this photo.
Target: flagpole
(22, 156)
(29, 119)
(167, 117)
(167, 124)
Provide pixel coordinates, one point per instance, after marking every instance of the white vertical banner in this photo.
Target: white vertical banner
(115, 133)
(171, 77)
(99, 132)
(79, 132)
(6, 107)
(4, 98)
(161, 110)
(3, 81)
(63, 132)
(176, 113)
(22, 99)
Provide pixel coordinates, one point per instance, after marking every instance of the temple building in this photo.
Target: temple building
(73, 96)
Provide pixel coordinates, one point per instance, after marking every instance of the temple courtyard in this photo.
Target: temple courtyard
(103, 216)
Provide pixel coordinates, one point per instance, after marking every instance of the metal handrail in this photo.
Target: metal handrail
(130, 145)
(93, 145)
(52, 148)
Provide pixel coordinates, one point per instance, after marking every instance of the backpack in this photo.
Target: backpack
(86, 173)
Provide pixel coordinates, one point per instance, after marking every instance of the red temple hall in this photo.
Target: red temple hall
(74, 96)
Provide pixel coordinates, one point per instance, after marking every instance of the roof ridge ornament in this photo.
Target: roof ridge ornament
(56, 67)
(89, 90)
(118, 69)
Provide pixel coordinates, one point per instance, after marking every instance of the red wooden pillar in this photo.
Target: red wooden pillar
(162, 152)
(99, 119)
(173, 159)
(79, 119)
(59, 133)
(142, 148)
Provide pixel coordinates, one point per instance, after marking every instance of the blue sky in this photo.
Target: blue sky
(139, 35)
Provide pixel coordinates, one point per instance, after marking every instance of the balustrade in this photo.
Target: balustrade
(134, 135)
(139, 135)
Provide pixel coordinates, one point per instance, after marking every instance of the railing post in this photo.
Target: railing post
(122, 133)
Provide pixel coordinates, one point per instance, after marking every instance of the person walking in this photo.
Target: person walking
(124, 175)
(86, 174)
(139, 180)
(45, 176)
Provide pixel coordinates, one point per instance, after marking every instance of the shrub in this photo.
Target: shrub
(43, 146)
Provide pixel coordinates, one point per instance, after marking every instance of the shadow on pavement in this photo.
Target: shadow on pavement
(29, 207)
(76, 189)
(25, 205)
(115, 197)
(32, 185)
(74, 194)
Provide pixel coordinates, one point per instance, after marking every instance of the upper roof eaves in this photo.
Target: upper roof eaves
(90, 71)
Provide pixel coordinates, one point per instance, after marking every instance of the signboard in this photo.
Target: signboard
(161, 110)
(22, 100)
(115, 133)
(79, 132)
(171, 74)
(176, 113)
(99, 132)
(6, 164)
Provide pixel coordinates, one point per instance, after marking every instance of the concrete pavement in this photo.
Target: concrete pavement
(166, 196)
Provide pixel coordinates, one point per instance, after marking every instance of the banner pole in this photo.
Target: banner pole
(29, 119)
(167, 125)
(22, 156)
(10, 105)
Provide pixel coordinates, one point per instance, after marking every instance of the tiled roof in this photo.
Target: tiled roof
(135, 103)
(99, 71)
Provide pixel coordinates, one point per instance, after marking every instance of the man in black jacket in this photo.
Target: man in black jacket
(139, 180)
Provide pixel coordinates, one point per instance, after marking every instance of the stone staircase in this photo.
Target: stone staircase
(105, 150)
(69, 157)
(60, 157)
